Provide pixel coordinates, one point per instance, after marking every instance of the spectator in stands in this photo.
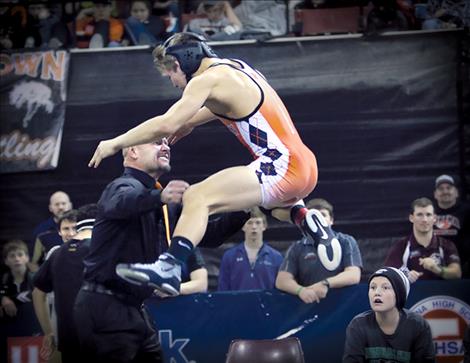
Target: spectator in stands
(310, 272)
(268, 17)
(12, 18)
(385, 16)
(16, 284)
(142, 27)
(219, 21)
(194, 275)
(68, 225)
(59, 203)
(312, 4)
(96, 28)
(62, 274)
(453, 218)
(407, 8)
(47, 240)
(45, 27)
(169, 9)
(388, 332)
(423, 254)
(443, 14)
(252, 264)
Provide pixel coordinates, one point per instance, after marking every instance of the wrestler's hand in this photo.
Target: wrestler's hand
(105, 148)
(173, 192)
(178, 135)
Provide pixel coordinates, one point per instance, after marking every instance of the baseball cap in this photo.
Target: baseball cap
(444, 178)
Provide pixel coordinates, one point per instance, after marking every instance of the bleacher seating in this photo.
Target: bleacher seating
(328, 20)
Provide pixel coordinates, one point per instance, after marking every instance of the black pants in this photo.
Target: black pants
(74, 355)
(112, 331)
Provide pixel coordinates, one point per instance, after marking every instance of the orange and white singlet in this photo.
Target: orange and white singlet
(286, 168)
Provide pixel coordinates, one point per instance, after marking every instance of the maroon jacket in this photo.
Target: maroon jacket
(408, 251)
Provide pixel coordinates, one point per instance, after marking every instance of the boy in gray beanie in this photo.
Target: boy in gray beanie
(388, 332)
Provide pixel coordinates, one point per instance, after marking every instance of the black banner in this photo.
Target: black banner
(32, 98)
(381, 115)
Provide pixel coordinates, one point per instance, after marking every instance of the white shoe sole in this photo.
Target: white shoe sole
(142, 279)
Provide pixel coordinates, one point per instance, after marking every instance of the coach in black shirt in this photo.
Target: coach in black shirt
(131, 226)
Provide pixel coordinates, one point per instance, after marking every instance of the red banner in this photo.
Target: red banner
(25, 350)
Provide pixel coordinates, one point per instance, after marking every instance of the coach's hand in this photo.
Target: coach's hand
(173, 192)
(105, 148)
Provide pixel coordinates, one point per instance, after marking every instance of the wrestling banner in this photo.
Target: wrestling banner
(32, 99)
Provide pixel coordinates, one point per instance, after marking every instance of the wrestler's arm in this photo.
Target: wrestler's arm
(203, 116)
(184, 110)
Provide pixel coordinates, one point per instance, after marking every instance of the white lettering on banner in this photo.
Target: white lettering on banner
(18, 146)
(47, 65)
(173, 348)
(447, 317)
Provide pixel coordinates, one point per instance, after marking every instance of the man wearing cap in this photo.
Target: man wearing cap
(388, 332)
(426, 256)
(453, 218)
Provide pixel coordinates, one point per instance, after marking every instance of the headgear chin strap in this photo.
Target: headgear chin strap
(190, 54)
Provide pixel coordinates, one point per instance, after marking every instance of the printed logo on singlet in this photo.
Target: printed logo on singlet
(448, 318)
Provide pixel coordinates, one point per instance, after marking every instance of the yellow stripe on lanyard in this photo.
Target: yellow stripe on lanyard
(166, 219)
(167, 224)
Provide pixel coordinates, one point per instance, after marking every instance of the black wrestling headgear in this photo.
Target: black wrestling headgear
(189, 53)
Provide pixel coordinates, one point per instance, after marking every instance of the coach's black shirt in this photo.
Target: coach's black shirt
(126, 230)
(130, 228)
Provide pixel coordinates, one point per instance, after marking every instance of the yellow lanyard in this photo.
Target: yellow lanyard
(166, 220)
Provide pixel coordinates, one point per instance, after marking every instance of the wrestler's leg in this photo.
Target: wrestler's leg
(231, 189)
(310, 221)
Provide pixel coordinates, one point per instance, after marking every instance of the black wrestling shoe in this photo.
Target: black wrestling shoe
(315, 226)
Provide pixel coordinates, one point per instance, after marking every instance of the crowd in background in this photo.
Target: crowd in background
(437, 248)
(106, 23)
